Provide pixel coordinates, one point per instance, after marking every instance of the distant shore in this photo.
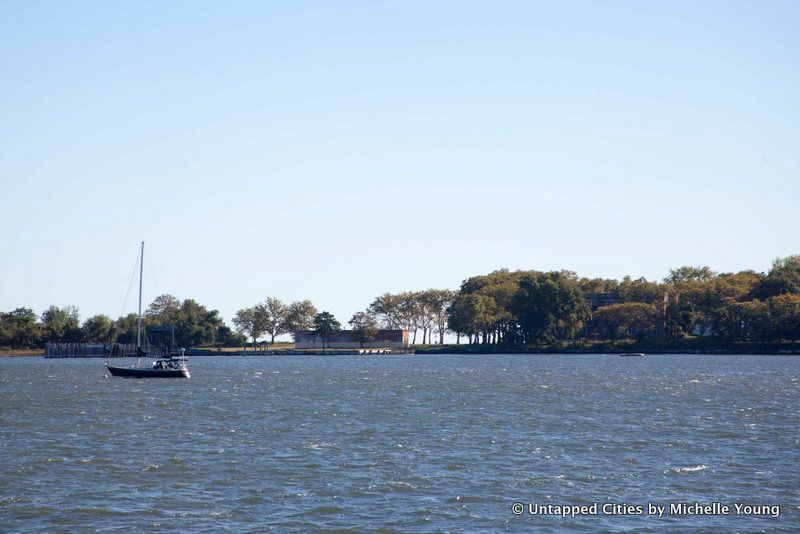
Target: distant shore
(12, 353)
(600, 351)
(285, 349)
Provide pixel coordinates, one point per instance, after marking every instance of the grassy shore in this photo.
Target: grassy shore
(21, 352)
(279, 345)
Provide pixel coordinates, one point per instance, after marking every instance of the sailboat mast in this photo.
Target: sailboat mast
(139, 328)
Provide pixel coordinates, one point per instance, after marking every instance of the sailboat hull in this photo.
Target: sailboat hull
(141, 372)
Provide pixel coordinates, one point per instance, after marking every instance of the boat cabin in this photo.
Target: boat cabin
(172, 363)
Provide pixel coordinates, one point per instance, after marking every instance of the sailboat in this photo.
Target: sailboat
(174, 365)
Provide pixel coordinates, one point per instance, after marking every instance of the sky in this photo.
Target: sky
(334, 151)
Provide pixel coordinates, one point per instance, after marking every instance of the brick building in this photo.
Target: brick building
(346, 339)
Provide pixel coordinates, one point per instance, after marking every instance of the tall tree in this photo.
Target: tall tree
(687, 272)
(784, 277)
(19, 329)
(408, 314)
(163, 305)
(742, 321)
(364, 326)
(424, 313)
(99, 329)
(499, 321)
(126, 328)
(61, 324)
(548, 306)
(784, 316)
(496, 289)
(598, 285)
(275, 315)
(300, 316)
(469, 315)
(438, 303)
(627, 317)
(325, 325)
(388, 309)
(193, 323)
(250, 322)
(640, 290)
(229, 338)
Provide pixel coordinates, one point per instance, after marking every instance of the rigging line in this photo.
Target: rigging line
(130, 285)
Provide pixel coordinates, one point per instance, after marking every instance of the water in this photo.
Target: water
(420, 443)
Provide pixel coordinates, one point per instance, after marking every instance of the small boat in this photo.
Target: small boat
(173, 364)
(632, 354)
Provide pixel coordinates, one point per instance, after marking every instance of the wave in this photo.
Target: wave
(689, 469)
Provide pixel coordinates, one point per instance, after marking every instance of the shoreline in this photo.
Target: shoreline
(618, 350)
(21, 353)
(450, 351)
(684, 346)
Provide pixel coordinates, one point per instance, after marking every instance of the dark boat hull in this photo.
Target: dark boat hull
(140, 372)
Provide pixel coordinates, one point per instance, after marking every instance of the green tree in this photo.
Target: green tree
(125, 328)
(61, 325)
(20, 329)
(628, 317)
(687, 272)
(99, 329)
(784, 314)
(548, 306)
(497, 322)
(300, 316)
(250, 322)
(325, 325)
(695, 301)
(742, 321)
(275, 315)
(738, 286)
(410, 314)
(468, 315)
(163, 306)
(229, 338)
(423, 306)
(364, 326)
(641, 290)
(388, 309)
(438, 303)
(598, 285)
(194, 324)
(784, 277)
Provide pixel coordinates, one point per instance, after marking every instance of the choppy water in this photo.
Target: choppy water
(421, 443)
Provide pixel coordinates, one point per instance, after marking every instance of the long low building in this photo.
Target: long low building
(346, 339)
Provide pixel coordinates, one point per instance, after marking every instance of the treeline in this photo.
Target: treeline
(194, 325)
(503, 307)
(274, 318)
(530, 307)
(541, 308)
(415, 311)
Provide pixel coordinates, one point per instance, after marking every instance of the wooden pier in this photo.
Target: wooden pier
(90, 350)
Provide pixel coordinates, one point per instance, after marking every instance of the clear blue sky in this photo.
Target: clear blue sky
(338, 150)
